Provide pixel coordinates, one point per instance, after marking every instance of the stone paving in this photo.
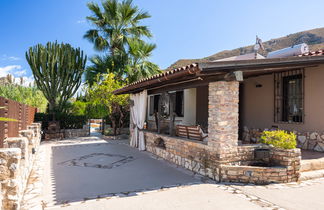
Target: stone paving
(35, 197)
(32, 196)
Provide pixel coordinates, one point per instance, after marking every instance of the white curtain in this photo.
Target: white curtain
(138, 114)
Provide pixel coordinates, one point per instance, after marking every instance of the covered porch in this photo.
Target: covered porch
(215, 96)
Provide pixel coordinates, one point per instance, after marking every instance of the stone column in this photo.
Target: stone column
(223, 111)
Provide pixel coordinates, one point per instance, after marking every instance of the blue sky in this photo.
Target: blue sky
(181, 28)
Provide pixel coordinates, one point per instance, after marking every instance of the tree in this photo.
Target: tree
(133, 65)
(114, 23)
(106, 64)
(57, 70)
(118, 34)
(139, 65)
(101, 93)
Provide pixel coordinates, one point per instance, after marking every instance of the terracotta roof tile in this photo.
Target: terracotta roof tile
(165, 73)
(313, 53)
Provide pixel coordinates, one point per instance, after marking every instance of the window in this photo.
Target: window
(178, 105)
(289, 95)
(154, 104)
(178, 109)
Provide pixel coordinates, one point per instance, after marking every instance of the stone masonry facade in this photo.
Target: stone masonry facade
(16, 162)
(305, 140)
(223, 118)
(286, 167)
(200, 158)
(221, 158)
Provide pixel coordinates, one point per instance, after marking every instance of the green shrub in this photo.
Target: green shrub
(25, 95)
(78, 108)
(96, 111)
(279, 138)
(67, 121)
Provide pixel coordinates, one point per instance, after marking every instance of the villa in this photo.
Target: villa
(207, 117)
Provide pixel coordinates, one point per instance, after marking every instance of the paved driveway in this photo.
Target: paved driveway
(111, 175)
(201, 196)
(100, 169)
(294, 196)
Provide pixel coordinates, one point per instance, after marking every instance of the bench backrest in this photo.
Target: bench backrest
(190, 132)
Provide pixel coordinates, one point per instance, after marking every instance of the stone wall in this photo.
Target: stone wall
(192, 155)
(305, 140)
(16, 162)
(200, 158)
(73, 133)
(285, 168)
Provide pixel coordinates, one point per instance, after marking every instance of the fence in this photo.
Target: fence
(21, 113)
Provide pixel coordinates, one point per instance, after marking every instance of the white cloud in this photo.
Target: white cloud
(81, 21)
(4, 71)
(16, 71)
(20, 73)
(10, 58)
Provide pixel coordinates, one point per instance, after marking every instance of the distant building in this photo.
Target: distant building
(6, 80)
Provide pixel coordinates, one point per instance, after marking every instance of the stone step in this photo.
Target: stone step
(312, 165)
(311, 175)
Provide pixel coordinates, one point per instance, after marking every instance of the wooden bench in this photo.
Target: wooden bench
(190, 132)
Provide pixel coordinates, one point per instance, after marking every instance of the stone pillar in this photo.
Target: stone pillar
(223, 111)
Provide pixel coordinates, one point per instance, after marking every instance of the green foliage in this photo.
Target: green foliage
(67, 121)
(78, 108)
(88, 109)
(106, 64)
(279, 138)
(26, 95)
(114, 23)
(117, 31)
(96, 111)
(57, 69)
(139, 65)
(101, 93)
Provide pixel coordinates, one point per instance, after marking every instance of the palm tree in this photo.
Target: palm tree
(114, 23)
(119, 34)
(139, 65)
(106, 64)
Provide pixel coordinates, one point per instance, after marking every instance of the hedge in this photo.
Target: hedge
(66, 121)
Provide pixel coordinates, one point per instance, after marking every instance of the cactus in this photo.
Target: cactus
(57, 70)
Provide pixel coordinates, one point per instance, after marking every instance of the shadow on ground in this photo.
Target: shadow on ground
(89, 171)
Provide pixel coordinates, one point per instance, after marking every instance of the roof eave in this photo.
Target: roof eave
(258, 63)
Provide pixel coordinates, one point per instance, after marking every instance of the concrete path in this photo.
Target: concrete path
(91, 173)
(294, 196)
(202, 196)
(89, 170)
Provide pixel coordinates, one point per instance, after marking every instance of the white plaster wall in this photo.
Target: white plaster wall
(189, 117)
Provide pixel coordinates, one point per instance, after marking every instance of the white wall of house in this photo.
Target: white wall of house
(190, 96)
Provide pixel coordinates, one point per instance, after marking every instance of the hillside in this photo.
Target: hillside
(314, 38)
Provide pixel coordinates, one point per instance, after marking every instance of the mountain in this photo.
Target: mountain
(314, 38)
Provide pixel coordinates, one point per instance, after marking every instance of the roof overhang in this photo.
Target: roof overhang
(203, 73)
